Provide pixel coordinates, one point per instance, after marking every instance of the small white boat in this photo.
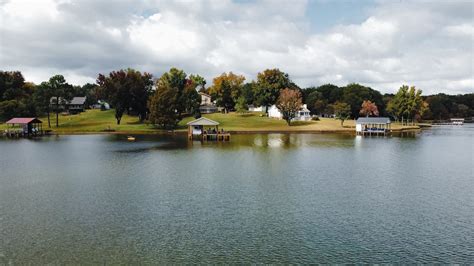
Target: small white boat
(131, 138)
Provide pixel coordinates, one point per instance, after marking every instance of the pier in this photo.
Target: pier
(373, 126)
(205, 129)
(24, 127)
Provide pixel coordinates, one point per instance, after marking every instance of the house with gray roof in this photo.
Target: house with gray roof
(76, 105)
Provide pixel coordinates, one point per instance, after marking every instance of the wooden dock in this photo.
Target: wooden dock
(197, 130)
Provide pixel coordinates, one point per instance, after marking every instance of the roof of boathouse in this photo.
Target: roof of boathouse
(203, 122)
(373, 120)
(24, 120)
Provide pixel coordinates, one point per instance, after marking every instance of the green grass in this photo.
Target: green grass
(254, 122)
(95, 121)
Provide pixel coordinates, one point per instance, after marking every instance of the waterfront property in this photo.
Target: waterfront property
(302, 115)
(74, 106)
(368, 126)
(24, 127)
(207, 106)
(206, 129)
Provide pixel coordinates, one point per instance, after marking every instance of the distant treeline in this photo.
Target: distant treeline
(164, 101)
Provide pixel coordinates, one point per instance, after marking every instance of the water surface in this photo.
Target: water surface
(275, 198)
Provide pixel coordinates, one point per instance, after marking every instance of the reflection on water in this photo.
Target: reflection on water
(269, 198)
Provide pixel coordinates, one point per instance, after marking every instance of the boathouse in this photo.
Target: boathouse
(368, 126)
(206, 129)
(24, 127)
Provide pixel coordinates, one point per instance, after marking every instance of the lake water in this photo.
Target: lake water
(299, 198)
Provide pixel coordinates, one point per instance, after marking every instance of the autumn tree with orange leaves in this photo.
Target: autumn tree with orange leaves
(369, 109)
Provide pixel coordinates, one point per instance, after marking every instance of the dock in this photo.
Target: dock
(27, 127)
(205, 129)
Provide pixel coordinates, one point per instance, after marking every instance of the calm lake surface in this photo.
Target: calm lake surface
(274, 198)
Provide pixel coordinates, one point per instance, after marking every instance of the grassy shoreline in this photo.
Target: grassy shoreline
(103, 122)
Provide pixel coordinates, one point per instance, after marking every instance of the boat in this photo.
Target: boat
(131, 138)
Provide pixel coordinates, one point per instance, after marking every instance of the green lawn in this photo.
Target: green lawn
(94, 121)
(254, 122)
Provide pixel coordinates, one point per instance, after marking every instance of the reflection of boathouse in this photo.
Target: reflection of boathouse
(368, 126)
(206, 129)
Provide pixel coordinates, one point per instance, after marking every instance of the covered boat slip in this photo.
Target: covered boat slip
(24, 127)
(373, 126)
(206, 129)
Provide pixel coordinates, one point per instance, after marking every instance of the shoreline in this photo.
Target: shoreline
(347, 131)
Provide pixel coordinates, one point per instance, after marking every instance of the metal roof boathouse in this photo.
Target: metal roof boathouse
(24, 127)
(368, 126)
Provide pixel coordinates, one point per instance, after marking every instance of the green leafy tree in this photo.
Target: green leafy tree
(174, 96)
(355, 94)
(199, 81)
(192, 99)
(164, 106)
(289, 103)
(11, 84)
(269, 84)
(225, 99)
(241, 106)
(248, 92)
(15, 95)
(140, 87)
(407, 103)
(342, 111)
(125, 90)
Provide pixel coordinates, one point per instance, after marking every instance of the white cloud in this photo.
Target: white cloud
(427, 44)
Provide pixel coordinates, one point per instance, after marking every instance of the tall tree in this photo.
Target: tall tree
(125, 90)
(199, 81)
(174, 95)
(407, 103)
(61, 91)
(269, 84)
(192, 99)
(226, 89)
(164, 106)
(289, 103)
(354, 94)
(11, 83)
(42, 98)
(140, 86)
(369, 109)
(342, 111)
(241, 106)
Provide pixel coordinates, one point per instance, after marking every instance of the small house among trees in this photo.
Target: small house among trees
(74, 106)
(207, 106)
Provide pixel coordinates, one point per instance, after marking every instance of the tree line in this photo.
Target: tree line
(166, 100)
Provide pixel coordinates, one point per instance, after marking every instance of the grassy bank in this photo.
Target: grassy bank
(96, 121)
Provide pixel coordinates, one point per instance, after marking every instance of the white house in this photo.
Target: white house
(205, 98)
(302, 115)
(207, 106)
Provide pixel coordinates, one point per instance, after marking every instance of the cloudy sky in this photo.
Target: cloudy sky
(382, 44)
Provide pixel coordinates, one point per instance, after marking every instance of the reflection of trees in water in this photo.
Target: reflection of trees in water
(246, 141)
